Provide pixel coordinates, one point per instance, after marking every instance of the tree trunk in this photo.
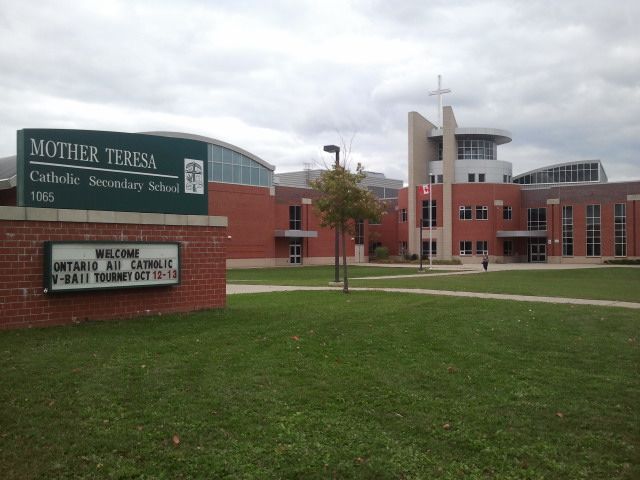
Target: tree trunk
(344, 261)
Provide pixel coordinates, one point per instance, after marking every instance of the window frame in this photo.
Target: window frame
(434, 213)
(295, 217)
(620, 230)
(567, 230)
(593, 231)
(463, 248)
(465, 212)
(484, 212)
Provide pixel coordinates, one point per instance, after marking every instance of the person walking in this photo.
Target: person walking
(485, 262)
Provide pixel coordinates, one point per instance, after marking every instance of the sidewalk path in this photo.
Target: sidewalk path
(239, 289)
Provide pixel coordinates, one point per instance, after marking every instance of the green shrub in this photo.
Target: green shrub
(381, 252)
(623, 261)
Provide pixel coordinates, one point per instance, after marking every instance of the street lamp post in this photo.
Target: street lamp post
(336, 149)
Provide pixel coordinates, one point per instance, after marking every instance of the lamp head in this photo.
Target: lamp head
(332, 148)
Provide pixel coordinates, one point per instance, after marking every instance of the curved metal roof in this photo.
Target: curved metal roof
(8, 172)
(498, 135)
(214, 141)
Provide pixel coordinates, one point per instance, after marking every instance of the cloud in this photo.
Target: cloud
(283, 78)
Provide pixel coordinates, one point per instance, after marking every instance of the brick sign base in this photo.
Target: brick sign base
(23, 302)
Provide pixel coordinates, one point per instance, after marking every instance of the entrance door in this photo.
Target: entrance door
(537, 250)
(295, 251)
(359, 253)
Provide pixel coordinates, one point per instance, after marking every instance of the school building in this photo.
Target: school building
(563, 213)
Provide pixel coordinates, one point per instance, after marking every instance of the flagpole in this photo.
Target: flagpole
(430, 224)
(420, 269)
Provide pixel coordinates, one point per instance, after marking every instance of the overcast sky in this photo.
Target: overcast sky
(283, 78)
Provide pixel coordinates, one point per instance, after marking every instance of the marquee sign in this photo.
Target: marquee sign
(71, 266)
(94, 170)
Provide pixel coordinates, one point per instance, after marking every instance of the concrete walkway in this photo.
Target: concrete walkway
(239, 289)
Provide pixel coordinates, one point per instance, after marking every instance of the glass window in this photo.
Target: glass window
(476, 149)
(425, 213)
(471, 177)
(359, 236)
(227, 175)
(232, 167)
(403, 215)
(426, 252)
(507, 248)
(295, 217)
(537, 219)
(246, 175)
(255, 176)
(506, 212)
(216, 172)
(567, 231)
(237, 173)
(216, 153)
(482, 212)
(465, 247)
(482, 247)
(620, 229)
(481, 177)
(439, 178)
(465, 212)
(593, 230)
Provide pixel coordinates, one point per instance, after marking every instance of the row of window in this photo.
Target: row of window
(593, 230)
(229, 166)
(471, 178)
(465, 212)
(466, 247)
(482, 212)
(581, 172)
(474, 149)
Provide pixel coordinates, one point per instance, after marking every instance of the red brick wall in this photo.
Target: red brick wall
(606, 195)
(251, 214)
(23, 303)
(482, 194)
(388, 228)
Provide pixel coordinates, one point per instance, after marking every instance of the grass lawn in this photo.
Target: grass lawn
(325, 385)
(319, 275)
(593, 283)
(615, 283)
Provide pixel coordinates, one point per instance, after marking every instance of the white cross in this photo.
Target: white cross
(439, 93)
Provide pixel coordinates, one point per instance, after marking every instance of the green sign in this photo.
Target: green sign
(93, 170)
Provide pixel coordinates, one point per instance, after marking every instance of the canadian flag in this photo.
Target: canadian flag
(426, 189)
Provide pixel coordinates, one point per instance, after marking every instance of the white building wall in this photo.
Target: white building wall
(494, 170)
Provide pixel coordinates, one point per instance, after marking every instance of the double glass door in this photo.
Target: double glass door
(295, 252)
(537, 250)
